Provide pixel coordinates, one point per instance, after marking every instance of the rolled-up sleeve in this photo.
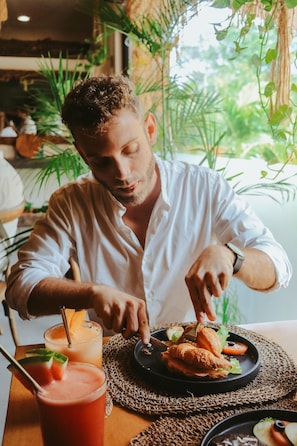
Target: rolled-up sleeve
(237, 222)
(45, 254)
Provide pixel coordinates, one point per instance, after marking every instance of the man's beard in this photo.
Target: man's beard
(145, 182)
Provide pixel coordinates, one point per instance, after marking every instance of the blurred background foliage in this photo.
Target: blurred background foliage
(220, 108)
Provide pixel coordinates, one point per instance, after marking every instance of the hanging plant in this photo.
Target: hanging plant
(279, 14)
(276, 22)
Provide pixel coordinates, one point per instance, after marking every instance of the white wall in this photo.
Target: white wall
(281, 304)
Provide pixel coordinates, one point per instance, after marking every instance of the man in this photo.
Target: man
(149, 235)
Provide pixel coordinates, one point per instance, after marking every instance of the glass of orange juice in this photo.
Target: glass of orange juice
(86, 342)
(72, 410)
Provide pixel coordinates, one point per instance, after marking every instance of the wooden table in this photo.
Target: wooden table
(22, 428)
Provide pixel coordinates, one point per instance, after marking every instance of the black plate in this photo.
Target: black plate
(243, 423)
(157, 374)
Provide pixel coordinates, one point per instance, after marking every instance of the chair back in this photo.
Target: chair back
(7, 216)
(9, 312)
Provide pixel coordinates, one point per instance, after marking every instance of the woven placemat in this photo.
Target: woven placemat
(108, 404)
(190, 430)
(277, 378)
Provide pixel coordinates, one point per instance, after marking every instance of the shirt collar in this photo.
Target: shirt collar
(164, 196)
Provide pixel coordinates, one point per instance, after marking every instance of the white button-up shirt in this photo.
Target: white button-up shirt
(196, 207)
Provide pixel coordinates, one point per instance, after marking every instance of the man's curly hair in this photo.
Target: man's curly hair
(91, 104)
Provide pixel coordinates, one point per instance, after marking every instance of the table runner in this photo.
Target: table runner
(276, 380)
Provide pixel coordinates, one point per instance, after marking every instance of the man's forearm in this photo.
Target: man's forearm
(51, 293)
(119, 311)
(258, 271)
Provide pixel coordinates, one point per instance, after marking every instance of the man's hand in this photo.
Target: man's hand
(209, 276)
(121, 312)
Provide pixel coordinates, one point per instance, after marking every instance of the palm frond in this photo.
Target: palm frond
(152, 31)
(145, 85)
(65, 162)
(273, 189)
(12, 244)
(63, 79)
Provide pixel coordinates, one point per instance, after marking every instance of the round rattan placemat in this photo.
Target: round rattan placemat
(277, 378)
(108, 405)
(190, 430)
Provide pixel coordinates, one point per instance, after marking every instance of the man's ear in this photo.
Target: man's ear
(151, 127)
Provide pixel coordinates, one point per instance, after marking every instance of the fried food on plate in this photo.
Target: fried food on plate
(207, 338)
(204, 337)
(192, 361)
(199, 359)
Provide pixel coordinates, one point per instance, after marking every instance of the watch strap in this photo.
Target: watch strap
(239, 257)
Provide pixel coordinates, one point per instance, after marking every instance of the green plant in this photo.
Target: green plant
(272, 62)
(49, 100)
(227, 309)
(188, 116)
(64, 162)
(98, 48)
(49, 94)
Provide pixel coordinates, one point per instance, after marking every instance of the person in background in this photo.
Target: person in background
(11, 201)
(155, 239)
(7, 127)
(27, 124)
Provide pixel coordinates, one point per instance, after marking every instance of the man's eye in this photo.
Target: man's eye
(131, 150)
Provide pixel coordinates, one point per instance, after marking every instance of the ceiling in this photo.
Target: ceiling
(60, 20)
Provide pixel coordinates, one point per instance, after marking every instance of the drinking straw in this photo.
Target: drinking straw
(21, 369)
(66, 327)
(76, 277)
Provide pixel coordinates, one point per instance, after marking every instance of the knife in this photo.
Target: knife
(154, 344)
(158, 343)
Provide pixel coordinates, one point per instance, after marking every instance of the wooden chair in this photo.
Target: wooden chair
(5, 217)
(75, 275)
(9, 312)
(75, 270)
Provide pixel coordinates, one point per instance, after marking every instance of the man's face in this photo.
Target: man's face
(121, 158)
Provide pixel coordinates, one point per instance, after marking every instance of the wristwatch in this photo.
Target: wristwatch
(239, 257)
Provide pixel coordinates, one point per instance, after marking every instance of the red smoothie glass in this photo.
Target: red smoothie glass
(72, 410)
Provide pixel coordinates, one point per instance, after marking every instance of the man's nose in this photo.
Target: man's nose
(121, 169)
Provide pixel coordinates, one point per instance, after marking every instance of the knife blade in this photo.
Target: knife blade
(158, 343)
